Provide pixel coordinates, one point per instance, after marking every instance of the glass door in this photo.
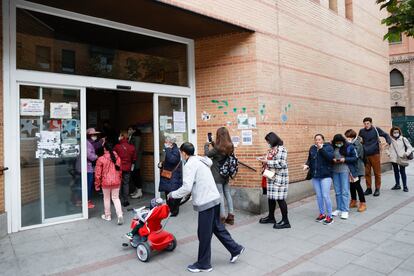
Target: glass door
(51, 186)
(171, 120)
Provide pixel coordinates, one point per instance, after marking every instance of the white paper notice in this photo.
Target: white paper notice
(179, 116)
(247, 137)
(60, 111)
(180, 127)
(242, 121)
(48, 145)
(32, 107)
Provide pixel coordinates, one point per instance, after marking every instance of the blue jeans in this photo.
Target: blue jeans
(341, 186)
(90, 184)
(397, 171)
(322, 188)
(224, 190)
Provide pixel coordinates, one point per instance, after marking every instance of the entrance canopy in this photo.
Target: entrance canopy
(150, 15)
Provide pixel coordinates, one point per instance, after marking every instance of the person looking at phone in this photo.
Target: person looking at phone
(319, 164)
(219, 151)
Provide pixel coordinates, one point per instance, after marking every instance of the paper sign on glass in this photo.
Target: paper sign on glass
(32, 107)
(60, 111)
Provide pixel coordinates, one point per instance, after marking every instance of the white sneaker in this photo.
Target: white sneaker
(107, 218)
(137, 194)
(336, 213)
(344, 215)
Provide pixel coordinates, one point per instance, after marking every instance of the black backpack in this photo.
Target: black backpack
(230, 167)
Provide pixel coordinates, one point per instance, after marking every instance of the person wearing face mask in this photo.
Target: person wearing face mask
(399, 150)
(319, 164)
(199, 181)
(277, 186)
(91, 158)
(355, 185)
(126, 153)
(172, 181)
(344, 168)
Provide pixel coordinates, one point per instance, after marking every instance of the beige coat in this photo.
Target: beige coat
(397, 147)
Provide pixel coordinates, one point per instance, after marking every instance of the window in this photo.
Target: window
(395, 38)
(333, 5)
(43, 57)
(397, 111)
(349, 10)
(396, 78)
(68, 61)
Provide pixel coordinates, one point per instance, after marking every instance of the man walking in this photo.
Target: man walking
(198, 180)
(371, 142)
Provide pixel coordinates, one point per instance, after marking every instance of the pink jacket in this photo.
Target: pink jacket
(106, 174)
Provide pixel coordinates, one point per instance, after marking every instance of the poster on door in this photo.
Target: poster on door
(60, 111)
(179, 122)
(48, 144)
(32, 107)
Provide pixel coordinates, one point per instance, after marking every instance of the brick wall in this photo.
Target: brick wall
(314, 70)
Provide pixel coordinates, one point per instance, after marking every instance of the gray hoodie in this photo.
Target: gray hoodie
(198, 180)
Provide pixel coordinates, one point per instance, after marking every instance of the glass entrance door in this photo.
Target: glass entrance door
(51, 186)
(172, 118)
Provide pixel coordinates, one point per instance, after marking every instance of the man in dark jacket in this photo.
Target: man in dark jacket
(371, 142)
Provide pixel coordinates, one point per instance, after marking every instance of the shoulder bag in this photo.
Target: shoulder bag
(411, 155)
(167, 173)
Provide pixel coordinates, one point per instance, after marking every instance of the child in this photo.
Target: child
(154, 203)
(108, 175)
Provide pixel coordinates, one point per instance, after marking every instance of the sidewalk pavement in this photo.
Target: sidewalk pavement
(379, 241)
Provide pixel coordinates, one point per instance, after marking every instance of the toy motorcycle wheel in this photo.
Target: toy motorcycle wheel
(172, 245)
(143, 252)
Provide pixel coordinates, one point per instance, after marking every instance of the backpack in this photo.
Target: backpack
(230, 167)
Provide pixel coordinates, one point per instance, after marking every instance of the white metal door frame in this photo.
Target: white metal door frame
(17, 202)
(13, 77)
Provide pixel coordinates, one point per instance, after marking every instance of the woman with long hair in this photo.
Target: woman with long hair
(344, 169)
(277, 185)
(108, 174)
(219, 151)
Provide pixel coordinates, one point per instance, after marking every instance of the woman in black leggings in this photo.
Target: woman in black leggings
(355, 183)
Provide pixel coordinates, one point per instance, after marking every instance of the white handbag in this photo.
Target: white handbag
(269, 174)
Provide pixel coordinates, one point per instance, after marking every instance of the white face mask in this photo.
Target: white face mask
(120, 138)
(349, 140)
(94, 138)
(270, 146)
(396, 135)
(166, 145)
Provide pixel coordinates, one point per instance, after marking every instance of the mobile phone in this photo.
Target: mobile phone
(210, 137)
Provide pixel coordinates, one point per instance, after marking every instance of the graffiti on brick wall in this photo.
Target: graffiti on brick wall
(284, 114)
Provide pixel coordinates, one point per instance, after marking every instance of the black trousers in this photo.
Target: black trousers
(124, 191)
(136, 180)
(209, 223)
(174, 204)
(355, 188)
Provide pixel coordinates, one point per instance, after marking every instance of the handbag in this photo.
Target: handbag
(411, 155)
(167, 173)
(400, 161)
(269, 174)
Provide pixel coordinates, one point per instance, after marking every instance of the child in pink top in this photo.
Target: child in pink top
(108, 174)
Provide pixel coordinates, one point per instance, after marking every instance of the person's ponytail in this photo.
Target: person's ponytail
(109, 148)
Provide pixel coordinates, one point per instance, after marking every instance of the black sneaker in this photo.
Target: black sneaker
(405, 189)
(195, 268)
(396, 187)
(377, 192)
(321, 218)
(368, 191)
(267, 220)
(125, 204)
